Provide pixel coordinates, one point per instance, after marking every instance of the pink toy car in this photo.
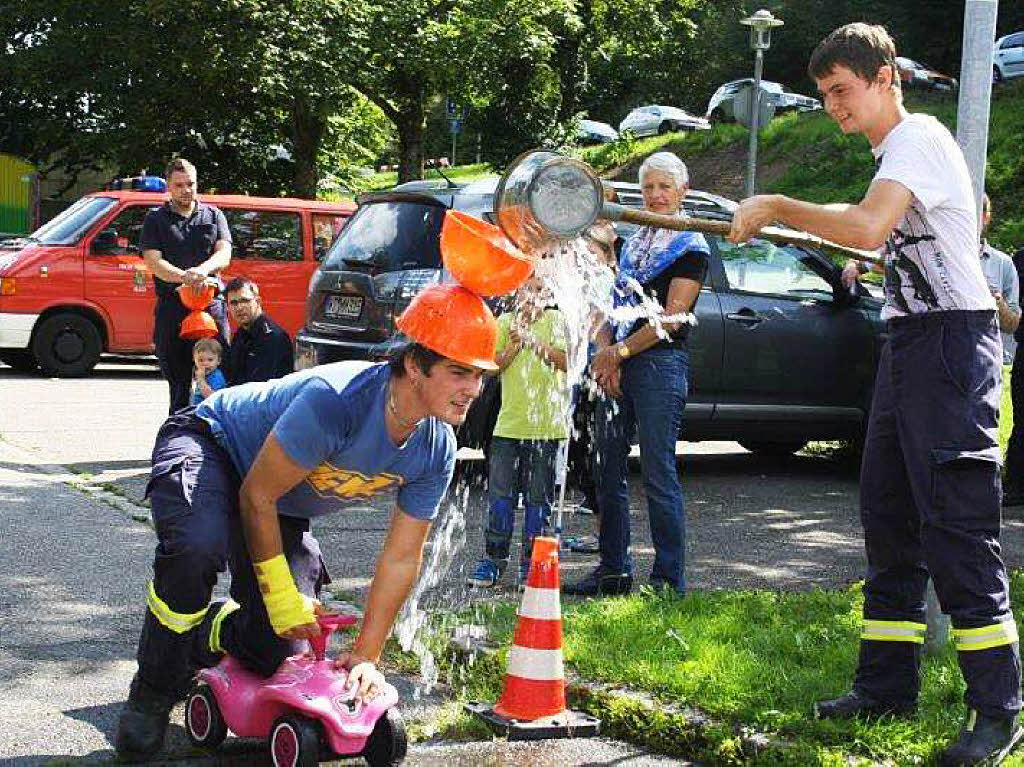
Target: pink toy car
(304, 709)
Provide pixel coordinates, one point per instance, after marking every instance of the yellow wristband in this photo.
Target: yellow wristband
(623, 350)
(286, 607)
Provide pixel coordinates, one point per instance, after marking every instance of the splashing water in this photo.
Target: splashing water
(582, 289)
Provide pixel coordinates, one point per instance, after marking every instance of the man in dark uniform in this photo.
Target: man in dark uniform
(183, 242)
(261, 349)
(1013, 482)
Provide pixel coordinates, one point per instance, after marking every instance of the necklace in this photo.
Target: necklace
(402, 422)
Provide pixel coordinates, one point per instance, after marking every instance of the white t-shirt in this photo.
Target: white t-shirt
(931, 257)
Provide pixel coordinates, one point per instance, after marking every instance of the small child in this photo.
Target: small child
(530, 429)
(206, 375)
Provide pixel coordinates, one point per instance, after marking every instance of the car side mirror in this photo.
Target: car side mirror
(105, 241)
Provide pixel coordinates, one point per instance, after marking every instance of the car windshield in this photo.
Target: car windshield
(388, 236)
(70, 225)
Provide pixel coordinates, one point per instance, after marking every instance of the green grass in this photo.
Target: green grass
(748, 659)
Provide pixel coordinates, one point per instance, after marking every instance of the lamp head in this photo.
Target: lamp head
(761, 24)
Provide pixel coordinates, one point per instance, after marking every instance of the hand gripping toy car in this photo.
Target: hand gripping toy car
(304, 709)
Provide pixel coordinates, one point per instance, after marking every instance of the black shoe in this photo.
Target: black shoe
(143, 722)
(858, 704)
(601, 582)
(983, 740)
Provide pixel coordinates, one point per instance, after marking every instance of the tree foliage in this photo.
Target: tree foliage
(271, 96)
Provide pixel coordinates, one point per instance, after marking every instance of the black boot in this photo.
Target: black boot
(983, 740)
(856, 703)
(601, 582)
(143, 722)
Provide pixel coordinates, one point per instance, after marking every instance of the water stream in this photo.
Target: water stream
(581, 287)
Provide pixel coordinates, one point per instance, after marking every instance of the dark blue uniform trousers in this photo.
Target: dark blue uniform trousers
(930, 504)
(193, 492)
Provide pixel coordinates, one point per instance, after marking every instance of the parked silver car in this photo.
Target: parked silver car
(720, 106)
(658, 119)
(594, 132)
(1008, 57)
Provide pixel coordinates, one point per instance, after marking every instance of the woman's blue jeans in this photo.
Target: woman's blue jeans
(654, 389)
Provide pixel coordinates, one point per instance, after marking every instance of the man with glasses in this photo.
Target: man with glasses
(261, 349)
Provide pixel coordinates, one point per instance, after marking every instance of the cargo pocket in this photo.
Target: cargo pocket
(965, 487)
(170, 489)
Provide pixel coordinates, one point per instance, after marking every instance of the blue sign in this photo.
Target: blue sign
(451, 108)
(455, 125)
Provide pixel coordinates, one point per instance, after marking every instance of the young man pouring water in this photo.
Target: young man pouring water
(930, 487)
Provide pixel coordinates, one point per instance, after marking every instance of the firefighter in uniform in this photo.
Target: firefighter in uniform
(930, 485)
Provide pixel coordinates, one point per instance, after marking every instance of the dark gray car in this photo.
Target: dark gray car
(782, 352)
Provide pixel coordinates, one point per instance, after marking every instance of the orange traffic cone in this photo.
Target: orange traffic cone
(532, 705)
(535, 682)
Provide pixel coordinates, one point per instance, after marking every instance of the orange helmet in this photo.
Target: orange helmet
(198, 325)
(454, 322)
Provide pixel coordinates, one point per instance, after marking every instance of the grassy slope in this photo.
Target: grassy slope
(807, 157)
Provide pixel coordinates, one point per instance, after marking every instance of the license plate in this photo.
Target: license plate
(344, 307)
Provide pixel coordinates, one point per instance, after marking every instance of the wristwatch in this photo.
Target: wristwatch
(623, 350)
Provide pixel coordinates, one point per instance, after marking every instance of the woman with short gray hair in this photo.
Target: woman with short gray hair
(643, 366)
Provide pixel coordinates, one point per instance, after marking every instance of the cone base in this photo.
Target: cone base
(566, 724)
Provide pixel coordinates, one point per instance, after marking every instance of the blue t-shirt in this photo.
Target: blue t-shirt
(214, 380)
(330, 420)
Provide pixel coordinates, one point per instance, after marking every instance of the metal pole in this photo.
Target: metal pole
(972, 136)
(454, 134)
(976, 88)
(755, 108)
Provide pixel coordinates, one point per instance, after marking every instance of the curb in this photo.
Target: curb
(637, 717)
(29, 460)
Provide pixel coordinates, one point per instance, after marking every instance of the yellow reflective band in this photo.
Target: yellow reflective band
(179, 623)
(225, 610)
(996, 635)
(893, 631)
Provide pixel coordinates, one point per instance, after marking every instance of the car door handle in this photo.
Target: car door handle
(746, 316)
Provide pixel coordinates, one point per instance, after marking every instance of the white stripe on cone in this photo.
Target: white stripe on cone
(540, 604)
(539, 665)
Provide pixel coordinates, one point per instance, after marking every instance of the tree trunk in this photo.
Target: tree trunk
(307, 132)
(410, 125)
(571, 66)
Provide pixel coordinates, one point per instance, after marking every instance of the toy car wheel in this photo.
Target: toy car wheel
(204, 723)
(294, 742)
(387, 743)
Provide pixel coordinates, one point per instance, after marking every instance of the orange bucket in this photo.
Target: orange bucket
(480, 256)
(196, 325)
(197, 299)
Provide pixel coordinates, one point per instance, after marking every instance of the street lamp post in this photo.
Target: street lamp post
(760, 24)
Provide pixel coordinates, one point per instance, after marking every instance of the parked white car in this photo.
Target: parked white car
(720, 106)
(594, 132)
(654, 119)
(1008, 57)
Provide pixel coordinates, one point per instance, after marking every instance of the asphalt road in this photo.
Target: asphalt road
(73, 563)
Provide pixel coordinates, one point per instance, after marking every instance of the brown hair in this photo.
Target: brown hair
(179, 165)
(862, 48)
(211, 345)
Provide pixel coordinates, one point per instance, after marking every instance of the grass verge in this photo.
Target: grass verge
(748, 661)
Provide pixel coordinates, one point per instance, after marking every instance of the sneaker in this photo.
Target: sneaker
(584, 544)
(601, 582)
(983, 740)
(142, 723)
(855, 703)
(484, 575)
(585, 510)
